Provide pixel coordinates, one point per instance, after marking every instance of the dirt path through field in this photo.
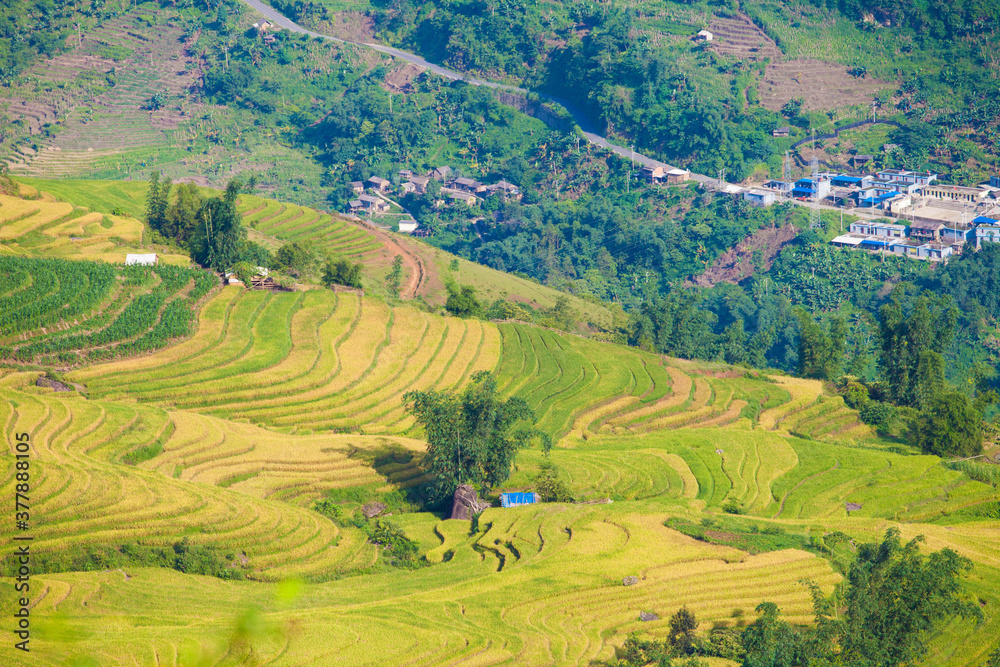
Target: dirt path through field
(416, 272)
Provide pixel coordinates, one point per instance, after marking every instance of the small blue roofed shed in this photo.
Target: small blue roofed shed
(518, 498)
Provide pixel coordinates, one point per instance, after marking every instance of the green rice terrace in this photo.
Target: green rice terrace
(236, 442)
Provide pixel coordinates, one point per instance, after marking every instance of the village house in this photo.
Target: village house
(678, 176)
(505, 190)
(703, 36)
(805, 188)
(926, 231)
(848, 241)
(441, 173)
(986, 233)
(861, 160)
(759, 197)
(954, 193)
(357, 187)
(408, 188)
(885, 186)
(849, 181)
(374, 204)
(910, 177)
(355, 205)
(958, 235)
(408, 226)
(780, 186)
(781, 131)
(379, 183)
(898, 204)
(652, 174)
(405, 174)
(421, 182)
(467, 185)
(878, 229)
(463, 197)
(922, 250)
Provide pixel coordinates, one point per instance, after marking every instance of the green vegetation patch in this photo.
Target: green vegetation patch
(181, 556)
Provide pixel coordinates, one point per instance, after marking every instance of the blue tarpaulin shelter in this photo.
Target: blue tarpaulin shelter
(517, 498)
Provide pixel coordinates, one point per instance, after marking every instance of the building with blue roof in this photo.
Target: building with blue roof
(805, 187)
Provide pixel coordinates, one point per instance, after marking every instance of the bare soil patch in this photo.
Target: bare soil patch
(400, 80)
(352, 26)
(737, 264)
(821, 85)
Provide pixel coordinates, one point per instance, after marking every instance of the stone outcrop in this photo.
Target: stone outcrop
(467, 503)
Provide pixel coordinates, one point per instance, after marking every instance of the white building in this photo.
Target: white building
(140, 260)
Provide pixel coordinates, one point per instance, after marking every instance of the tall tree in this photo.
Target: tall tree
(182, 215)
(394, 279)
(821, 352)
(220, 234)
(772, 642)
(471, 437)
(912, 346)
(157, 199)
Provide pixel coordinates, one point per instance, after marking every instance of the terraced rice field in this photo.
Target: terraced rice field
(277, 400)
(289, 222)
(84, 495)
(321, 361)
(535, 586)
(48, 228)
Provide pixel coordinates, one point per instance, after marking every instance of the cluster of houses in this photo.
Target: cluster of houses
(898, 192)
(892, 190)
(933, 241)
(458, 190)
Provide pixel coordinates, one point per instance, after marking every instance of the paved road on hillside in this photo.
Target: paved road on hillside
(586, 126)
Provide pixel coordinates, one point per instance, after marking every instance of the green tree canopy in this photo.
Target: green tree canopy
(220, 234)
(772, 642)
(462, 301)
(820, 352)
(342, 272)
(894, 597)
(952, 426)
(912, 345)
(471, 437)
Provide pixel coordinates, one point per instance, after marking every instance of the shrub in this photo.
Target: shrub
(878, 413)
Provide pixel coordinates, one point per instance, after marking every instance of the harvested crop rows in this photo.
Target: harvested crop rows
(535, 586)
(46, 228)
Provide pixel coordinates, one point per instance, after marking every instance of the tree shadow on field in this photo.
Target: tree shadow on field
(399, 466)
